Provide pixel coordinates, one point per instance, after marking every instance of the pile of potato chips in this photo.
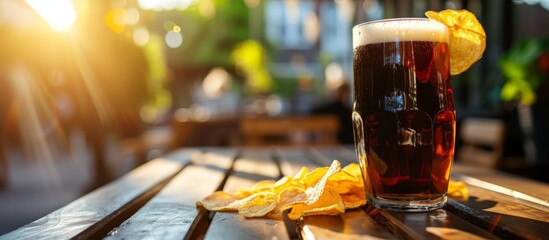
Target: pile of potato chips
(323, 191)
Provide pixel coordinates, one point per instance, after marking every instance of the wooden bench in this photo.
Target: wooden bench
(290, 131)
(483, 140)
(157, 201)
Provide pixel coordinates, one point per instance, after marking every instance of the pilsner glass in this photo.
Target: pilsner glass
(403, 113)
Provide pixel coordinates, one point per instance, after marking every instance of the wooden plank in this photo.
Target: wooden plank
(291, 160)
(316, 156)
(514, 185)
(483, 142)
(353, 224)
(502, 215)
(169, 214)
(290, 131)
(347, 154)
(97, 212)
(336, 153)
(254, 165)
(437, 224)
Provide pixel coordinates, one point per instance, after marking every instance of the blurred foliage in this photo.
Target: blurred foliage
(250, 59)
(210, 29)
(284, 86)
(158, 95)
(525, 67)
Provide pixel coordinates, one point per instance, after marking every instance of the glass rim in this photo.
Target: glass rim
(417, 19)
(390, 29)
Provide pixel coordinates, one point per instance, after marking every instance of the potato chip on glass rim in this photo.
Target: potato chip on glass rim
(467, 37)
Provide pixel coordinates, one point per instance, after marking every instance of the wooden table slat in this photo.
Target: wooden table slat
(515, 183)
(254, 165)
(440, 223)
(105, 206)
(502, 215)
(343, 155)
(169, 214)
(292, 160)
(353, 224)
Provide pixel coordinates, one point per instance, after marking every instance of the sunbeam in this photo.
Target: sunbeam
(38, 125)
(89, 78)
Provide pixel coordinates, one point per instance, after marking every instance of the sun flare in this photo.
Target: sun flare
(60, 14)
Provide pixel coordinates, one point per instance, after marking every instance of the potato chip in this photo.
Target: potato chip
(314, 176)
(311, 195)
(285, 183)
(314, 192)
(265, 185)
(355, 198)
(243, 193)
(343, 187)
(220, 201)
(329, 203)
(343, 176)
(458, 190)
(258, 205)
(289, 197)
(302, 173)
(353, 169)
(467, 37)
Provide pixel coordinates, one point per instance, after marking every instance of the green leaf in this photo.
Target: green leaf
(513, 69)
(526, 51)
(518, 89)
(528, 96)
(509, 91)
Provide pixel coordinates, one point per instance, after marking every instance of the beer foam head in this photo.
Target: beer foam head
(392, 30)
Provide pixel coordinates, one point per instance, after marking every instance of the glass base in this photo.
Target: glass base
(407, 205)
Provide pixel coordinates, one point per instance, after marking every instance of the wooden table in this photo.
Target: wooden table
(158, 201)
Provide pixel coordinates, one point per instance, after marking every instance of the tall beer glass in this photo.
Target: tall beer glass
(403, 113)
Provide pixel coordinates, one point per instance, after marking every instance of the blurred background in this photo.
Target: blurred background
(92, 89)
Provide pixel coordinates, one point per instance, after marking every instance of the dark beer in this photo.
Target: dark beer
(404, 118)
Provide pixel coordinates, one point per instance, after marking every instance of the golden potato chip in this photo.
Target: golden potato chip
(286, 182)
(343, 187)
(314, 176)
(243, 193)
(302, 173)
(295, 194)
(220, 201)
(354, 198)
(289, 197)
(343, 176)
(467, 37)
(458, 190)
(265, 185)
(258, 205)
(330, 203)
(314, 192)
(353, 169)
